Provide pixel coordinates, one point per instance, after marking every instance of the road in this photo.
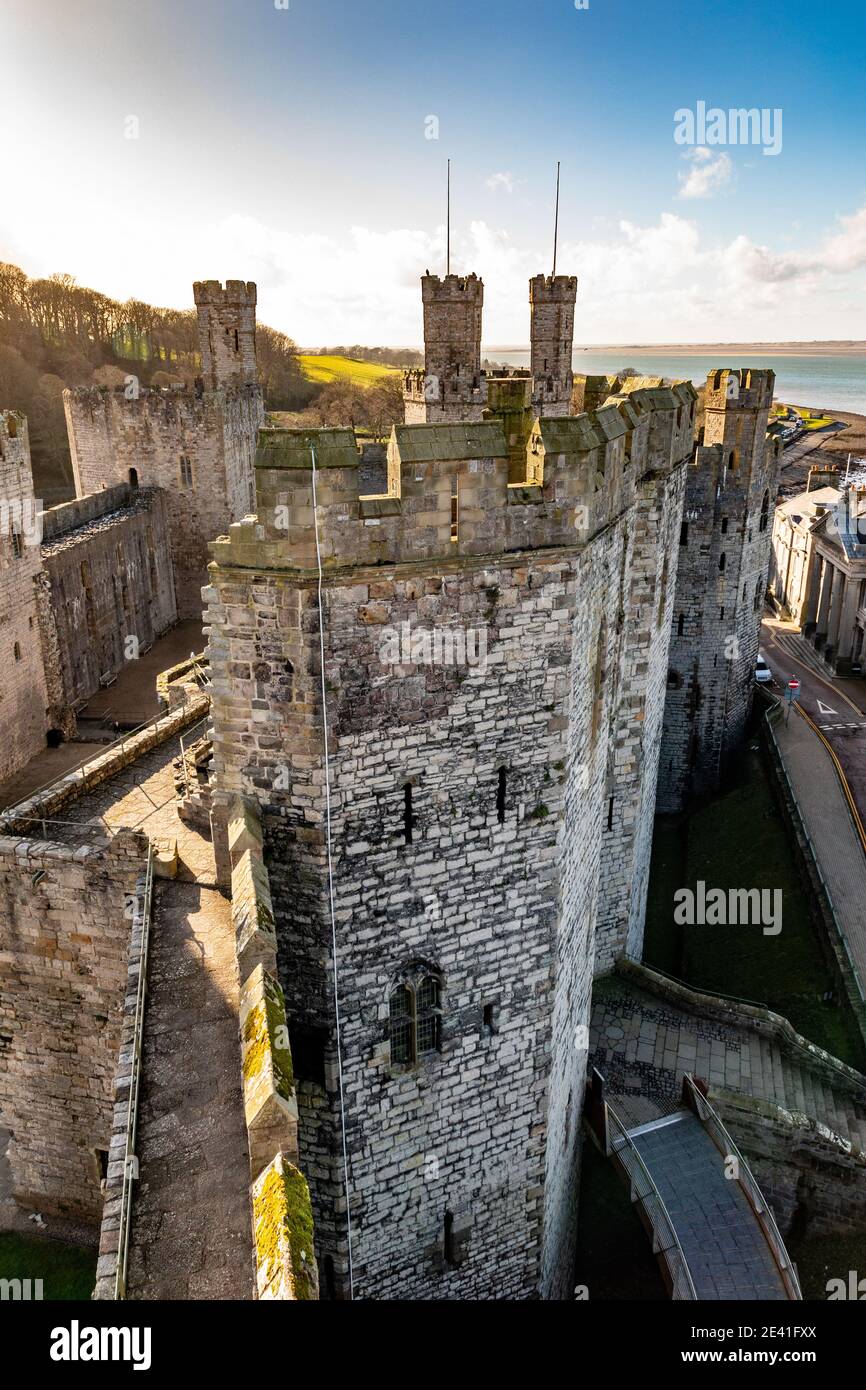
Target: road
(837, 707)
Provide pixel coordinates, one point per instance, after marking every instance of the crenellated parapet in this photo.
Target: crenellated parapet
(453, 490)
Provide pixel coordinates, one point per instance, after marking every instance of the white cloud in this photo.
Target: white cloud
(504, 180)
(708, 175)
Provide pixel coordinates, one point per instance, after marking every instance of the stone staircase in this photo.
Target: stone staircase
(648, 1031)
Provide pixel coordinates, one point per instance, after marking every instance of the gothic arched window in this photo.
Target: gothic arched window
(414, 1018)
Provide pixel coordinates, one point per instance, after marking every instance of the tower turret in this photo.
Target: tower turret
(227, 332)
(453, 387)
(551, 337)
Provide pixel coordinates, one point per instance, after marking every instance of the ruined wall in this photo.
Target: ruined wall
(723, 569)
(467, 803)
(64, 938)
(196, 445)
(109, 590)
(23, 692)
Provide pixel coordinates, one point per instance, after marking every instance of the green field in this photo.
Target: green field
(740, 839)
(325, 369)
(68, 1272)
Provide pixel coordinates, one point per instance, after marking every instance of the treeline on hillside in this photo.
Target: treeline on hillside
(387, 357)
(56, 333)
(368, 409)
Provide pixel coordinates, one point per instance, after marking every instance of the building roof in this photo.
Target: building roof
(472, 440)
(281, 448)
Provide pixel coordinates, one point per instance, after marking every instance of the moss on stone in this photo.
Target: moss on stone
(282, 1216)
(264, 1025)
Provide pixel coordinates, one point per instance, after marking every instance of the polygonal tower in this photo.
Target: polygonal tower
(451, 386)
(227, 332)
(551, 339)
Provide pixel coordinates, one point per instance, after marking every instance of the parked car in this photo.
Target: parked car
(763, 674)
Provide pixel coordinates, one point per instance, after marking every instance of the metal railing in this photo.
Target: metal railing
(623, 1151)
(130, 1161)
(721, 1137)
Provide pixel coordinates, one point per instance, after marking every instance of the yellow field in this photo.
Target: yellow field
(318, 368)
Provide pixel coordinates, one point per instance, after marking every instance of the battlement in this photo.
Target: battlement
(456, 490)
(235, 293)
(553, 289)
(739, 389)
(452, 289)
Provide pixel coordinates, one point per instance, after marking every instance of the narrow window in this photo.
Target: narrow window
(133, 477)
(408, 820)
(765, 511)
(16, 651)
(610, 814)
(185, 471)
(454, 510)
(681, 624)
(500, 797)
(487, 1023)
(724, 525)
(237, 342)
(684, 533)
(721, 615)
(723, 559)
(427, 1015)
(401, 1028)
(448, 1240)
(328, 1291)
(17, 546)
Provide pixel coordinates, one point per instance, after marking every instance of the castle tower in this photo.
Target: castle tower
(451, 386)
(722, 576)
(24, 702)
(227, 332)
(551, 340)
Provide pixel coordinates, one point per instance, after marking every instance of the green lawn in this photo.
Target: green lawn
(318, 368)
(740, 840)
(67, 1271)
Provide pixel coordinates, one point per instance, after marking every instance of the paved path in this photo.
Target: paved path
(191, 1236)
(724, 1247)
(643, 1046)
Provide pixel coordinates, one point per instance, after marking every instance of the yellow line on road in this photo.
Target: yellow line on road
(842, 778)
(776, 641)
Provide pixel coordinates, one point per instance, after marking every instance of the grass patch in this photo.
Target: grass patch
(741, 840)
(614, 1258)
(68, 1272)
(323, 369)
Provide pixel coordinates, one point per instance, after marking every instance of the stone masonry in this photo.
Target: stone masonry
(197, 445)
(23, 693)
(469, 795)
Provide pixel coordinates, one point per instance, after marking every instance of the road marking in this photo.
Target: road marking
(825, 709)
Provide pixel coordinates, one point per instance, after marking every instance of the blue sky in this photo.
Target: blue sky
(289, 146)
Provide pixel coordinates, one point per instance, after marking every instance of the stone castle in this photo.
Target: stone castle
(444, 715)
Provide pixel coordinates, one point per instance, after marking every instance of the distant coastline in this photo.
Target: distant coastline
(845, 348)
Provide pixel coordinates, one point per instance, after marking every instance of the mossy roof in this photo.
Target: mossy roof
(571, 434)
(477, 440)
(281, 448)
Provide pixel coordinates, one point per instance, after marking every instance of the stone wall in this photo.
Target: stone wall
(23, 692)
(196, 445)
(723, 570)
(109, 591)
(807, 1173)
(467, 804)
(64, 940)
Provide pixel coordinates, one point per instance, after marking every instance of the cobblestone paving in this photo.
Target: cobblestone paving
(643, 1046)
